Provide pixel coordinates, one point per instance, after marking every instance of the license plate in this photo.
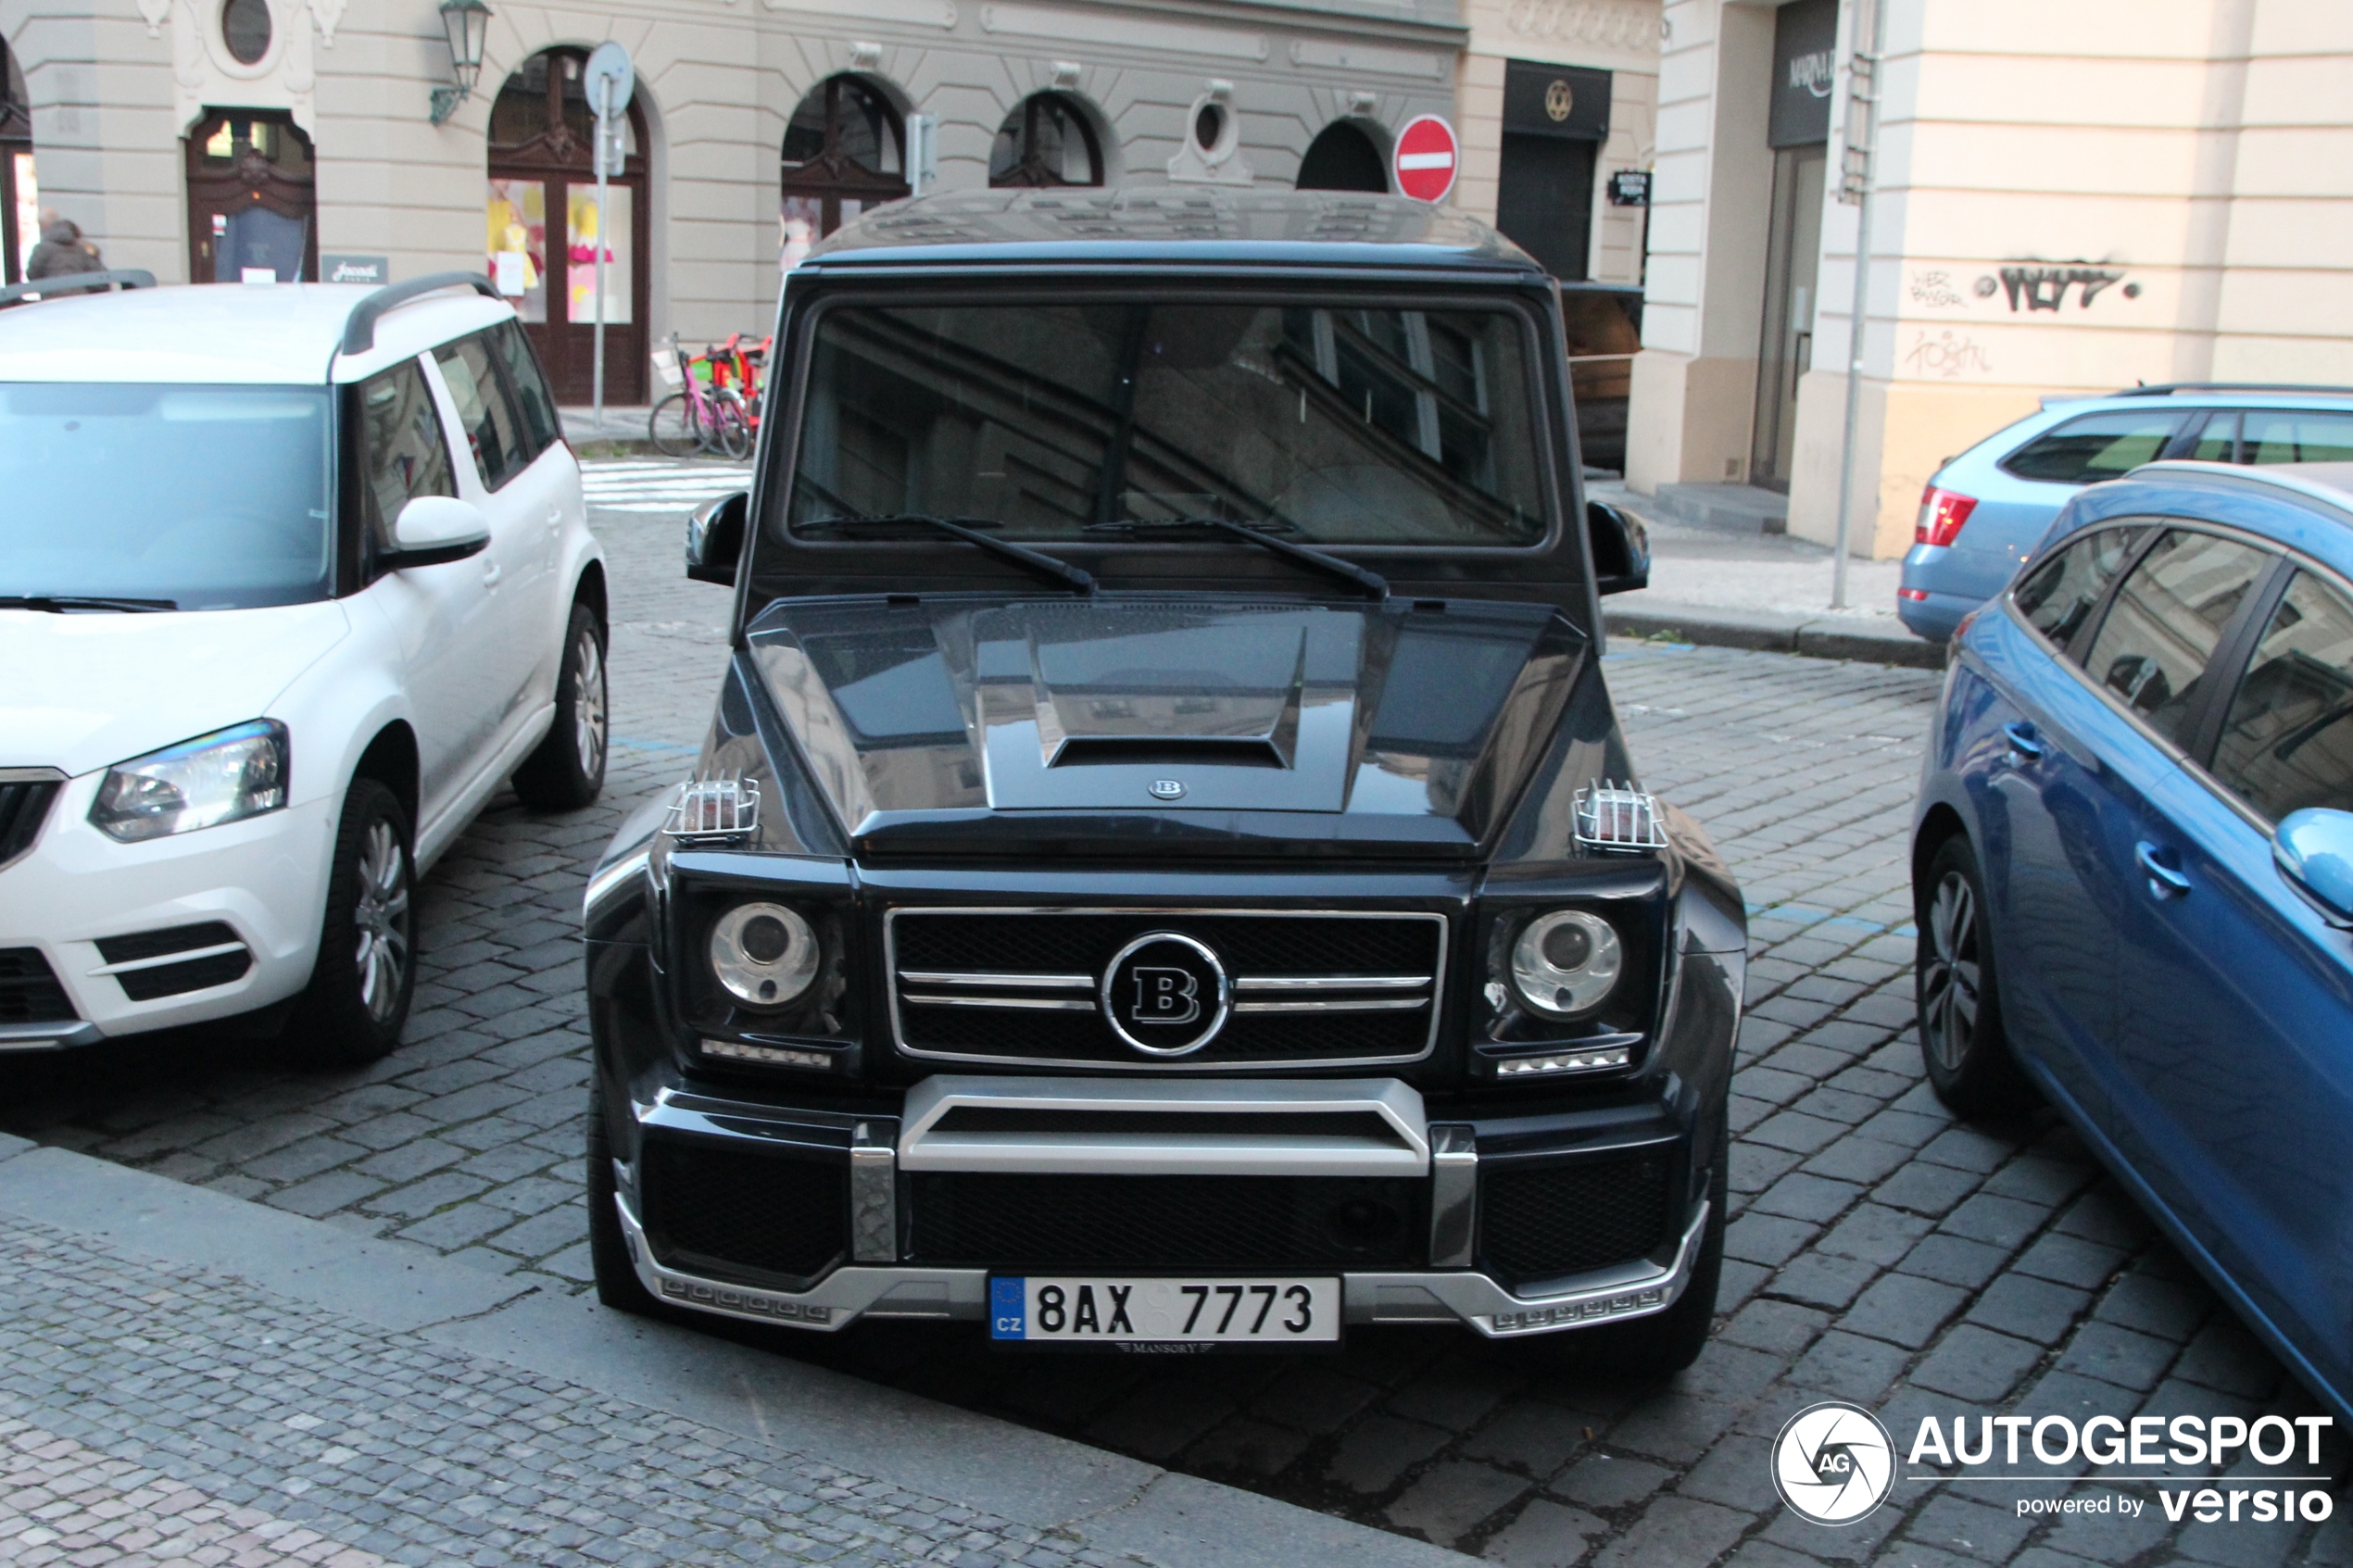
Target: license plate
(1196, 1313)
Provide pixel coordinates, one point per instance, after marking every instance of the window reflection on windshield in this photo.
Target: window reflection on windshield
(211, 496)
(1327, 425)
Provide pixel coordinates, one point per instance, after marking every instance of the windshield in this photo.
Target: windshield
(211, 497)
(1328, 425)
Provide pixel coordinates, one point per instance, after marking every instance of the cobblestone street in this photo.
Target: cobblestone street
(1880, 1252)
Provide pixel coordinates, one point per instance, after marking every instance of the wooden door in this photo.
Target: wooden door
(542, 228)
(253, 201)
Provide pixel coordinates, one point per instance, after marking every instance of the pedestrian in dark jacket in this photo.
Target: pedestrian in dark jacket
(63, 251)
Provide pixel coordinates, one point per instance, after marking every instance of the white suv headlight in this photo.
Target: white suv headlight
(228, 775)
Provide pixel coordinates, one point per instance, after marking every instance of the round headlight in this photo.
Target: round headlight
(1567, 962)
(765, 954)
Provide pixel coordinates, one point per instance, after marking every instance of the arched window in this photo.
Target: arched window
(1046, 141)
(1342, 158)
(543, 175)
(842, 154)
(19, 192)
(253, 198)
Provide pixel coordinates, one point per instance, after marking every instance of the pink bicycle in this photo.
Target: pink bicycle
(700, 416)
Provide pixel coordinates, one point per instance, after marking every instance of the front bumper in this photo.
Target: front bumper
(816, 1220)
(857, 1291)
(264, 878)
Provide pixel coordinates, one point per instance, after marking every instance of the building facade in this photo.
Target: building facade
(2071, 199)
(206, 139)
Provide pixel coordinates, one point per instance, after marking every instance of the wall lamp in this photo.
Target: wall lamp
(468, 24)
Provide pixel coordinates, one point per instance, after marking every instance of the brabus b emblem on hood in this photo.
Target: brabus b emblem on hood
(1167, 789)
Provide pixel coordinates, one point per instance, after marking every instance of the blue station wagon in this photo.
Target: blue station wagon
(1985, 510)
(2133, 867)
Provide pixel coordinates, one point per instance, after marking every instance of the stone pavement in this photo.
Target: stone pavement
(1879, 1251)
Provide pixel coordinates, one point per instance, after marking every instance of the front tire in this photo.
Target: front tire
(1962, 1039)
(674, 428)
(566, 770)
(361, 987)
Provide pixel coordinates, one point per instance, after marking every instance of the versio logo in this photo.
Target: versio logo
(1833, 1463)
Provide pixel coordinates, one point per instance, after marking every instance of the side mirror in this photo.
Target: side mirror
(432, 529)
(715, 539)
(2313, 849)
(1621, 548)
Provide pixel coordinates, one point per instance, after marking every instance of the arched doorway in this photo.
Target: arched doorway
(253, 198)
(543, 172)
(843, 152)
(19, 192)
(1342, 158)
(1046, 141)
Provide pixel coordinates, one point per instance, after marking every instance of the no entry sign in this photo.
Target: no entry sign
(1426, 158)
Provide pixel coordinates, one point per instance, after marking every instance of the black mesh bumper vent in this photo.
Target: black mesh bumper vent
(171, 979)
(28, 991)
(756, 1218)
(1162, 1222)
(1540, 1222)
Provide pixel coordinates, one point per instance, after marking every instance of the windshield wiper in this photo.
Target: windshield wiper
(58, 604)
(1373, 582)
(962, 527)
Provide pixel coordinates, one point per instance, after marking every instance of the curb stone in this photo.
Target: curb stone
(1813, 636)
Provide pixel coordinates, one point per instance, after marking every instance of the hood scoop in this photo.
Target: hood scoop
(1097, 706)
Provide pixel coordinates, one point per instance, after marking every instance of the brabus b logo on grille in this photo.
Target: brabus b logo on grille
(1165, 994)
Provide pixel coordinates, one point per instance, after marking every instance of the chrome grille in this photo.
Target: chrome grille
(1318, 987)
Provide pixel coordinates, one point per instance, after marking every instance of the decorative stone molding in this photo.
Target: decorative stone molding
(330, 15)
(1608, 24)
(204, 73)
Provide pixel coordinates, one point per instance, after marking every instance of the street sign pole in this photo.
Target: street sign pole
(1854, 186)
(609, 79)
(604, 143)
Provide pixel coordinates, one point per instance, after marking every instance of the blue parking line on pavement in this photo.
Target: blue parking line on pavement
(627, 744)
(1801, 914)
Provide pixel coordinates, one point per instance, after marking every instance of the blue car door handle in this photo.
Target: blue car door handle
(2164, 881)
(2024, 744)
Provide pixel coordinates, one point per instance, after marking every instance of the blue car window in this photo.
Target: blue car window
(2288, 742)
(2058, 595)
(2167, 617)
(2094, 448)
(2290, 435)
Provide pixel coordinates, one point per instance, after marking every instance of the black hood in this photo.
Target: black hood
(1130, 727)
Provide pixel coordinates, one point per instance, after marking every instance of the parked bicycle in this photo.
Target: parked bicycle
(703, 414)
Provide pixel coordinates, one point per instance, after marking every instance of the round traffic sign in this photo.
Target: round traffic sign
(608, 59)
(1426, 158)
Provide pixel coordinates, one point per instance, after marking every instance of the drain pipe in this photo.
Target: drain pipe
(1854, 188)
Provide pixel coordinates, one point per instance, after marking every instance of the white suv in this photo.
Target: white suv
(291, 579)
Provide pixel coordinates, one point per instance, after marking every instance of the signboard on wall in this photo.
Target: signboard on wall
(1630, 187)
(1545, 100)
(1805, 73)
(334, 268)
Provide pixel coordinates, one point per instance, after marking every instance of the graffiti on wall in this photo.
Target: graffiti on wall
(2039, 287)
(1948, 353)
(1933, 289)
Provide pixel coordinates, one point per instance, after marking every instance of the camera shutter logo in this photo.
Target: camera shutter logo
(1165, 994)
(1833, 1464)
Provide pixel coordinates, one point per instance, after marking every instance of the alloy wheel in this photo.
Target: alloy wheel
(588, 702)
(380, 917)
(1949, 973)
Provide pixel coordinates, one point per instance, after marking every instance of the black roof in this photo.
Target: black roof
(1164, 224)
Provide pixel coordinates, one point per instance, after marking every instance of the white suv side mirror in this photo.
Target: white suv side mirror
(435, 529)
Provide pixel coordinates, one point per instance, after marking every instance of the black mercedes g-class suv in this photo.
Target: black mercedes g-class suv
(1164, 873)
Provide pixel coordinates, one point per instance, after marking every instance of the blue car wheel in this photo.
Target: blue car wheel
(1967, 1051)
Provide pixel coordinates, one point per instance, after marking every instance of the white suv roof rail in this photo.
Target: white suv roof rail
(359, 328)
(75, 283)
